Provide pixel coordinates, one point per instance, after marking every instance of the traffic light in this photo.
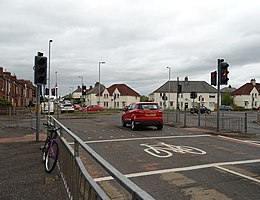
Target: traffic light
(84, 90)
(53, 91)
(40, 70)
(46, 91)
(214, 78)
(193, 95)
(224, 73)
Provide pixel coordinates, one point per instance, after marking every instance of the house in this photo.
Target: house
(206, 94)
(248, 95)
(116, 96)
(93, 94)
(119, 96)
(21, 93)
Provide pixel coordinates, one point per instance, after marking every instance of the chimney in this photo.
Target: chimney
(253, 81)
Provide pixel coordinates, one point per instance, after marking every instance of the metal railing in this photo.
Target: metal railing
(77, 180)
(17, 117)
(227, 123)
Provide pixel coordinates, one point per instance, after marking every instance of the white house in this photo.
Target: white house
(116, 96)
(206, 95)
(119, 96)
(248, 95)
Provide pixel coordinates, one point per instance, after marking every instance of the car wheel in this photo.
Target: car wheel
(123, 123)
(159, 127)
(133, 125)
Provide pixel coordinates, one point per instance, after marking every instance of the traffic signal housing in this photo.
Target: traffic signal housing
(84, 90)
(53, 91)
(193, 95)
(40, 70)
(214, 78)
(224, 73)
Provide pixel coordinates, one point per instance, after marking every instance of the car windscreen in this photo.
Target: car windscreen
(148, 106)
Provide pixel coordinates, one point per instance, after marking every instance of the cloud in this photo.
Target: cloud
(137, 39)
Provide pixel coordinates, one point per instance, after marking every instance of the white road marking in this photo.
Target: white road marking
(239, 174)
(253, 141)
(146, 138)
(180, 169)
(238, 140)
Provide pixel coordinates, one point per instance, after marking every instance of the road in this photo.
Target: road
(173, 163)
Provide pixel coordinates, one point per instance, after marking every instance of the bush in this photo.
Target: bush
(4, 102)
(238, 108)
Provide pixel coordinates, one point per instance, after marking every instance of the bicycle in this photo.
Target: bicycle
(50, 150)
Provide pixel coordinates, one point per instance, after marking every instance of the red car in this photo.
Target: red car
(142, 114)
(77, 107)
(94, 108)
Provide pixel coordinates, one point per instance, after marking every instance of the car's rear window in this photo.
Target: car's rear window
(148, 106)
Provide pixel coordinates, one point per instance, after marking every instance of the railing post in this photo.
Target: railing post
(76, 177)
(185, 118)
(245, 122)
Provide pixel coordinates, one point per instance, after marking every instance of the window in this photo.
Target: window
(212, 96)
(123, 104)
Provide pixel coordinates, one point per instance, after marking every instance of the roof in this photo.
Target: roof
(228, 89)
(123, 89)
(187, 87)
(246, 89)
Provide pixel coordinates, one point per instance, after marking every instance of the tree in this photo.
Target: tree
(144, 98)
(227, 99)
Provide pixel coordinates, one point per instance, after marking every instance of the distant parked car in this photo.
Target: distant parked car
(142, 114)
(223, 107)
(93, 108)
(67, 108)
(76, 107)
(202, 110)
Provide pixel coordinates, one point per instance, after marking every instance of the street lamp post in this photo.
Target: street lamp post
(49, 79)
(81, 80)
(169, 87)
(99, 63)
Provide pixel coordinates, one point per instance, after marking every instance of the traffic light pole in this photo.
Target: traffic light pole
(38, 113)
(218, 96)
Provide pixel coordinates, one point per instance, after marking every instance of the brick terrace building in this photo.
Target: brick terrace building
(19, 92)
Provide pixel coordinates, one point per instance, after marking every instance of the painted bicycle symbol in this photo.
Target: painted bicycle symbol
(163, 150)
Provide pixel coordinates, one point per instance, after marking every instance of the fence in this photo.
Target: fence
(17, 117)
(226, 123)
(78, 181)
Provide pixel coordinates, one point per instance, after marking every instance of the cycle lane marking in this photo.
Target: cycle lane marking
(180, 169)
(164, 150)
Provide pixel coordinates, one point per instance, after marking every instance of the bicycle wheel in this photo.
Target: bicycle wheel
(51, 157)
(44, 149)
(192, 150)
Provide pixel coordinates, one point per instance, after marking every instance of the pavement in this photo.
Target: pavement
(22, 174)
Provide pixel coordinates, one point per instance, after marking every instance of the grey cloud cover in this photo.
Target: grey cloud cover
(138, 39)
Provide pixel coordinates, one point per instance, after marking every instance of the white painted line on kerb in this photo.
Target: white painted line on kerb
(146, 138)
(180, 169)
(238, 174)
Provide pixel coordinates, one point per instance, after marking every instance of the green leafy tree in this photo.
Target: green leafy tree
(144, 98)
(227, 99)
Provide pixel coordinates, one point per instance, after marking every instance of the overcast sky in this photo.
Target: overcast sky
(138, 40)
